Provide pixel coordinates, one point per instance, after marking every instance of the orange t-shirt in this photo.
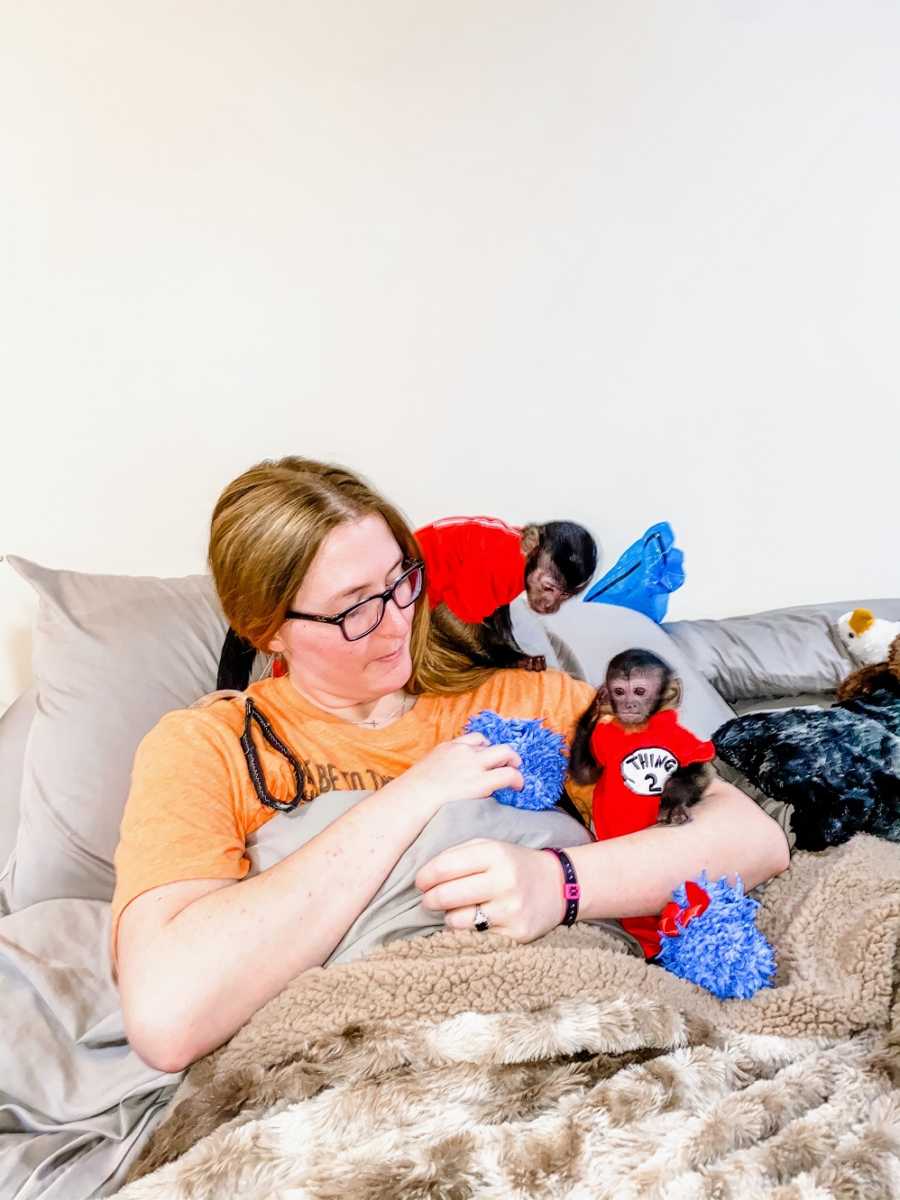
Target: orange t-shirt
(192, 804)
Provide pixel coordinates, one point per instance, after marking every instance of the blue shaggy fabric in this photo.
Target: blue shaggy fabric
(721, 949)
(542, 752)
(838, 767)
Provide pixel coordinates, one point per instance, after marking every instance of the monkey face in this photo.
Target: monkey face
(635, 697)
(544, 587)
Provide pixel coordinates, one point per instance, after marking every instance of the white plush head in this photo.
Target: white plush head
(866, 636)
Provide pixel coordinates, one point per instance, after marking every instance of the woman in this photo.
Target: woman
(313, 565)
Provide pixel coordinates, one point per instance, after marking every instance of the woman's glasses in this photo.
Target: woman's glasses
(363, 618)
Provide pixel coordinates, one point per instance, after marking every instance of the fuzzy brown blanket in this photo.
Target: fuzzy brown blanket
(464, 1065)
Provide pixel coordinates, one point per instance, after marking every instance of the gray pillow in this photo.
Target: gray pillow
(593, 633)
(111, 655)
(784, 652)
(530, 632)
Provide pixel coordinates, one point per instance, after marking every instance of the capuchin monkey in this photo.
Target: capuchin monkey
(645, 765)
(475, 566)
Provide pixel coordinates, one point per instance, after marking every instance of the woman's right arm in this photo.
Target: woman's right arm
(197, 958)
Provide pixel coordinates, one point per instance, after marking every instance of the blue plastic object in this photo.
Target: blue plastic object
(543, 755)
(644, 576)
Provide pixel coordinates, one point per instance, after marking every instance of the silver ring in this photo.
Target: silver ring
(481, 921)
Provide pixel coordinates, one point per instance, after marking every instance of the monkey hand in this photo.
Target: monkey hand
(532, 662)
(681, 790)
(676, 815)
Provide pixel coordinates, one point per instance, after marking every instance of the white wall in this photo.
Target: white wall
(622, 262)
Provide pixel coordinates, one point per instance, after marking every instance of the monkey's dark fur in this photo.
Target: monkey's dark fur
(686, 785)
(491, 643)
(682, 790)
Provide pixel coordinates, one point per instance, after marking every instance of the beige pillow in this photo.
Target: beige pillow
(111, 655)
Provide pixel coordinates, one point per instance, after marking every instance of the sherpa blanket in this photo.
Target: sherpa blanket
(839, 768)
(463, 1065)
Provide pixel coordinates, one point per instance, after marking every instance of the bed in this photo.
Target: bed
(448, 1065)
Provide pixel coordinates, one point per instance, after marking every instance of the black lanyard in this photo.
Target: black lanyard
(301, 775)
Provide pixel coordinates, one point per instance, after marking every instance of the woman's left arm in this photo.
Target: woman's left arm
(728, 834)
(520, 889)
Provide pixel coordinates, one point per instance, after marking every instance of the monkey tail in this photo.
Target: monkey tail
(235, 662)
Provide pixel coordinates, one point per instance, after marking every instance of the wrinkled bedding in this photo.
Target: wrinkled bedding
(75, 1101)
(458, 1064)
(464, 1065)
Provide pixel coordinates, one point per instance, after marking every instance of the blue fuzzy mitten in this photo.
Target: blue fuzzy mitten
(542, 752)
(709, 937)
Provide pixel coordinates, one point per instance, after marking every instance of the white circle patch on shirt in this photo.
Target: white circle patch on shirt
(646, 771)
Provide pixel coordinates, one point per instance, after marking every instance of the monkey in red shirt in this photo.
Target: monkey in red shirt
(646, 767)
(475, 567)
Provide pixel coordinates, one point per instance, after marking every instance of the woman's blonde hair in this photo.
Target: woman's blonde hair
(267, 528)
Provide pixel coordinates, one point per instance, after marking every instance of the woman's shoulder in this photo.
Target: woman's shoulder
(210, 719)
(549, 682)
(519, 693)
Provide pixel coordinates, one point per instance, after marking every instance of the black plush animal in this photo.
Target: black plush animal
(838, 767)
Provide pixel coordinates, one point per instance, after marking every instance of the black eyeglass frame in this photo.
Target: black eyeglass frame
(384, 597)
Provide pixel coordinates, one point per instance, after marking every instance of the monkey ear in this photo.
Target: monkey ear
(531, 536)
(675, 690)
(603, 695)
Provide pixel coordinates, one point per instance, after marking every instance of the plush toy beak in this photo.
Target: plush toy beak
(861, 620)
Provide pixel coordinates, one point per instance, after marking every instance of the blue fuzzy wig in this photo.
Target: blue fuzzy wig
(720, 949)
(542, 752)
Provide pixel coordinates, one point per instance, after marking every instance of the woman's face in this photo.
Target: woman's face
(358, 559)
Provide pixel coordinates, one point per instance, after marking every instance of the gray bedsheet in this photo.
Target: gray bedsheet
(76, 1103)
(396, 911)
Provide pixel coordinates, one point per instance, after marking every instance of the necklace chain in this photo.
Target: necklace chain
(379, 722)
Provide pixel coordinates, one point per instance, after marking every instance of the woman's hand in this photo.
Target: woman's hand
(467, 768)
(519, 890)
